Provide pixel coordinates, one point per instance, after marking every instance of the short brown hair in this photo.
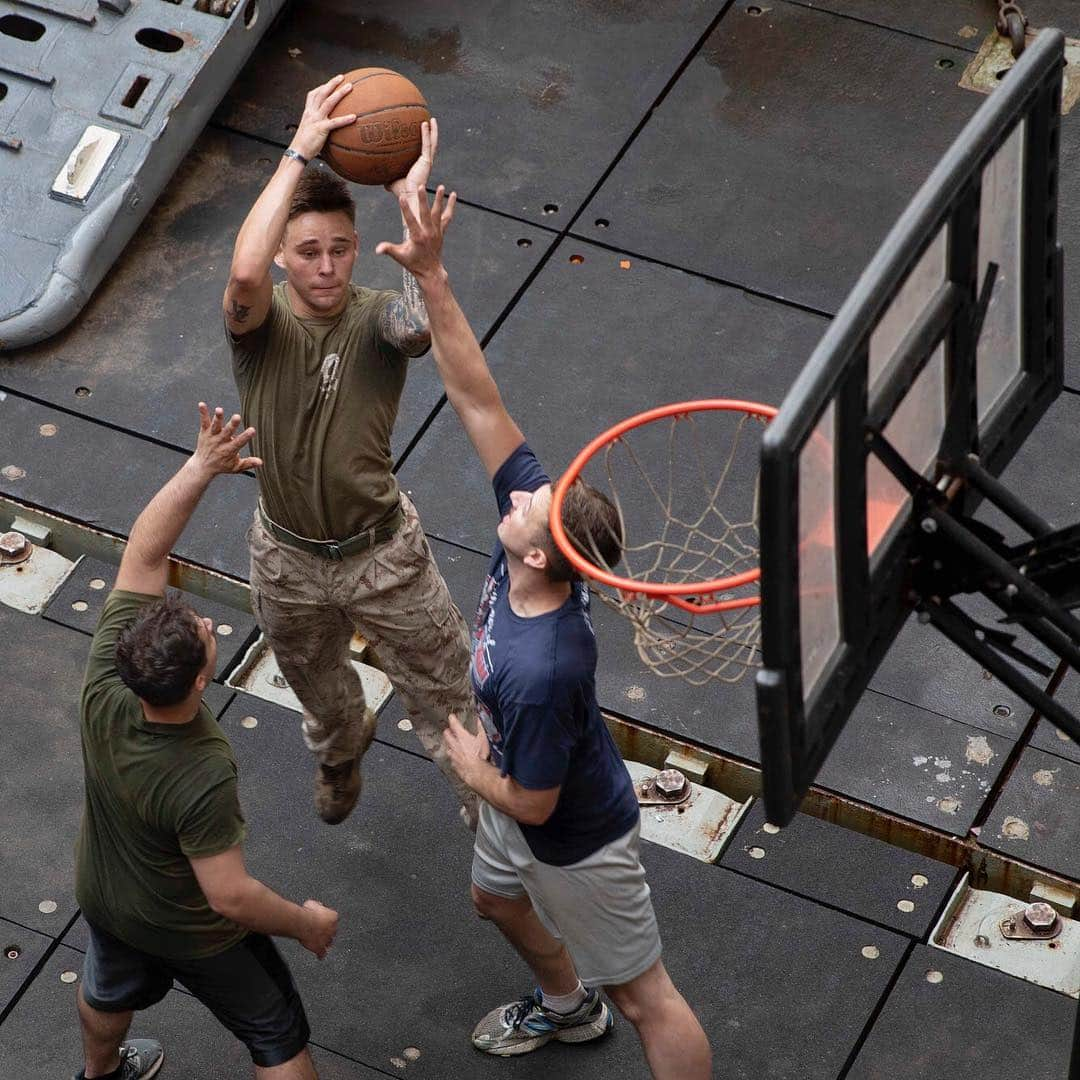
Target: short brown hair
(321, 192)
(159, 653)
(594, 527)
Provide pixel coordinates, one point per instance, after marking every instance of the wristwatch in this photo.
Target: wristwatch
(291, 153)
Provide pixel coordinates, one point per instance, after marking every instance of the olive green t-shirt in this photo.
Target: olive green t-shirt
(156, 796)
(322, 395)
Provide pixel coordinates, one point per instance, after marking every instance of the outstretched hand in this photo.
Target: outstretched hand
(218, 447)
(421, 251)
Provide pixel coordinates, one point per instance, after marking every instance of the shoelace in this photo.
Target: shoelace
(514, 1015)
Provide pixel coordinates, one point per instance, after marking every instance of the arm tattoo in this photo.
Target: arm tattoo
(404, 321)
(239, 312)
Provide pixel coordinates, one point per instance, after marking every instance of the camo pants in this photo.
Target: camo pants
(308, 607)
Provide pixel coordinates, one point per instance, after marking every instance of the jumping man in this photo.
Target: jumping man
(320, 364)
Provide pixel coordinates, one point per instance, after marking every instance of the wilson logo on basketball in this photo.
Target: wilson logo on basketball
(382, 132)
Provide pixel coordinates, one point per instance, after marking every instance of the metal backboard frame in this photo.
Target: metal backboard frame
(924, 356)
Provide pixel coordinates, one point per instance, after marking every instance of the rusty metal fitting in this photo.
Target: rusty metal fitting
(670, 783)
(1012, 24)
(14, 547)
(1040, 917)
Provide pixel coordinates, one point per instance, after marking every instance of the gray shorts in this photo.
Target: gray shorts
(600, 908)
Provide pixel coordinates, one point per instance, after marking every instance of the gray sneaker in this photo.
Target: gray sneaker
(525, 1025)
(139, 1060)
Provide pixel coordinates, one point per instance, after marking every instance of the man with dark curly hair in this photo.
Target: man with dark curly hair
(160, 872)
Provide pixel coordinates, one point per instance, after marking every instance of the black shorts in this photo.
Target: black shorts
(247, 987)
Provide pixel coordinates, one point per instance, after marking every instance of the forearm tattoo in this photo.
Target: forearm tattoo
(404, 321)
(239, 312)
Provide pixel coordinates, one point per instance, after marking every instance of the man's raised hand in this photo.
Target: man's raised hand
(219, 444)
(315, 123)
(421, 251)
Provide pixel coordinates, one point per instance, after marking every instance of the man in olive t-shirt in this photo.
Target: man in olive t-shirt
(160, 875)
(336, 547)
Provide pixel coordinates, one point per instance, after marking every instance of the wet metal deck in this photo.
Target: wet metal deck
(659, 202)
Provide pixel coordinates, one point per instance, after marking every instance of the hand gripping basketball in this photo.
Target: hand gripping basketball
(316, 123)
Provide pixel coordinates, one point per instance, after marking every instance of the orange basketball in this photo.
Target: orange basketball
(385, 140)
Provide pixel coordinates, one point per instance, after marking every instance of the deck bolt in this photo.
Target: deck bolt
(1040, 917)
(670, 783)
(13, 544)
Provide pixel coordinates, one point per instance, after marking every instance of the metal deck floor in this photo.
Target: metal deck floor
(659, 202)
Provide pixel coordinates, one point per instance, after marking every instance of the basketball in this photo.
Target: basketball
(385, 140)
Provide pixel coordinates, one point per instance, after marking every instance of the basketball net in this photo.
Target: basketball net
(688, 578)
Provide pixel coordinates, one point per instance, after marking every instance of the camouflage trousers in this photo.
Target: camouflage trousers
(308, 607)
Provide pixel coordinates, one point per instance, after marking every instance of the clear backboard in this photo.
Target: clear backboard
(947, 352)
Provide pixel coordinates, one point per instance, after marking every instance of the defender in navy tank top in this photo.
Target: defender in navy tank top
(556, 862)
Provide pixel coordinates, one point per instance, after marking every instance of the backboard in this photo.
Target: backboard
(950, 345)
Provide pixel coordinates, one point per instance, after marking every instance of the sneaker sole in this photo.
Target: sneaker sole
(579, 1034)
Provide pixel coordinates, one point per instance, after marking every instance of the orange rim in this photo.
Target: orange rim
(679, 593)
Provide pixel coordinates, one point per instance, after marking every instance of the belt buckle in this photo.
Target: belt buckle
(333, 550)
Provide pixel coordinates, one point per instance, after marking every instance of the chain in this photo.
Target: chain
(1011, 23)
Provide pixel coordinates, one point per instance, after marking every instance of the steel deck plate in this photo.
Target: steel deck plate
(968, 1024)
(554, 88)
(846, 870)
(41, 787)
(195, 1044)
(924, 668)
(950, 23)
(1034, 817)
(20, 951)
(151, 345)
(1040, 487)
(914, 763)
(89, 584)
(105, 478)
(810, 166)
(446, 965)
(642, 335)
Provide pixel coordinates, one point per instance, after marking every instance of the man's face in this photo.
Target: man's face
(526, 521)
(317, 254)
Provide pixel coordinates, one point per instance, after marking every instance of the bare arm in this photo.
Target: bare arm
(460, 360)
(249, 289)
(234, 894)
(404, 321)
(145, 565)
(469, 756)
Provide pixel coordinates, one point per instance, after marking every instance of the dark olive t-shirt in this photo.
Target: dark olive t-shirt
(322, 395)
(156, 795)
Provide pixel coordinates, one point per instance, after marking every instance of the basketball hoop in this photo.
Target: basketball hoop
(690, 589)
